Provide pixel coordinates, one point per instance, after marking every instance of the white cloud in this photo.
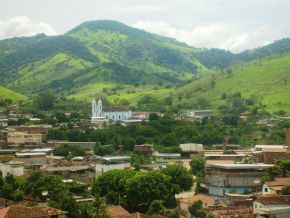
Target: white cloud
(215, 35)
(23, 26)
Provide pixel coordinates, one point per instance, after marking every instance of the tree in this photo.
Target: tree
(182, 180)
(45, 101)
(196, 209)
(156, 207)
(153, 116)
(197, 166)
(112, 185)
(144, 188)
(286, 190)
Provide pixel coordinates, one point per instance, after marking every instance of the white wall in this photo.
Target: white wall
(11, 169)
(106, 167)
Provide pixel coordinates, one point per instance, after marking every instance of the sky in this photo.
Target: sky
(234, 25)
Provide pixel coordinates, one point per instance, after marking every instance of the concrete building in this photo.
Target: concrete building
(32, 158)
(272, 206)
(233, 157)
(190, 149)
(3, 122)
(77, 173)
(237, 178)
(33, 129)
(270, 155)
(24, 138)
(14, 168)
(200, 113)
(166, 157)
(275, 186)
(107, 163)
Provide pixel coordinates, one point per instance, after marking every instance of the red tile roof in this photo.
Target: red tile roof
(20, 211)
(279, 182)
(279, 199)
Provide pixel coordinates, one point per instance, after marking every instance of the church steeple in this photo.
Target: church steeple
(94, 108)
(99, 108)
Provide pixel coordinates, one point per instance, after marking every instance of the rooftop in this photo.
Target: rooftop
(278, 182)
(72, 169)
(20, 211)
(167, 155)
(242, 166)
(30, 154)
(113, 158)
(279, 199)
(225, 155)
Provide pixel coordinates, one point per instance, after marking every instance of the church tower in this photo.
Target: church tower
(99, 108)
(94, 108)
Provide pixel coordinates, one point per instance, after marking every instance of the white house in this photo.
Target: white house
(272, 206)
(14, 168)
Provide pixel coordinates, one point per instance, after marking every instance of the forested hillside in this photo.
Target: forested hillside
(129, 66)
(265, 79)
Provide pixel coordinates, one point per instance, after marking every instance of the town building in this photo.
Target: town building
(232, 157)
(200, 113)
(106, 163)
(3, 122)
(114, 113)
(269, 155)
(83, 174)
(12, 167)
(275, 186)
(166, 157)
(272, 206)
(189, 150)
(33, 129)
(234, 178)
(32, 158)
(24, 138)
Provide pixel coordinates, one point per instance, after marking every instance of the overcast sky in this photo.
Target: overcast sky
(235, 25)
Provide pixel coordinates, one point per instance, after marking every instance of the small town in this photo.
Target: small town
(44, 175)
(145, 109)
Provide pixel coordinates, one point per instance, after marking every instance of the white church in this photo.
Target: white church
(115, 113)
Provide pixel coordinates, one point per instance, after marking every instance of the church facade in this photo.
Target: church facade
(115, 114)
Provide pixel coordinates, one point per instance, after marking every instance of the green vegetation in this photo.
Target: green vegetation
(265, 79)
(139, 190)
(6, 93)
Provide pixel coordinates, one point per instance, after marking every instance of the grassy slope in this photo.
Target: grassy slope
(268, 78)
(9, 94)
(36, 75)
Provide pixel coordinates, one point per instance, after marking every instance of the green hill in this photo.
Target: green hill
(267, 78)
(9, 94)
(105, 54)
(222, 58)
(111, 59)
